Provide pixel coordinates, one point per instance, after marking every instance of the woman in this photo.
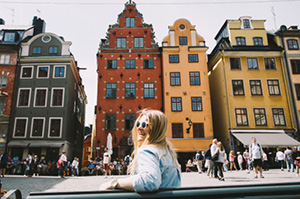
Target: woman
(280, 158)
(75, 164)
(297, 161)
(154, 163)
(189, 166)
(231, 160)
(221, 160)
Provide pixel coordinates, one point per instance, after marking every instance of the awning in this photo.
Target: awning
(48, 144)
(17, 144)
(266, 138)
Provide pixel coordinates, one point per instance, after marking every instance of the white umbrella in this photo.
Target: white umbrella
(109, 144)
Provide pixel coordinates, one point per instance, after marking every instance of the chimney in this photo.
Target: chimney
(293, 27)
(39, 25)
(2, 22)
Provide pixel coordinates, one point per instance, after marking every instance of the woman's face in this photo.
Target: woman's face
(143, 129)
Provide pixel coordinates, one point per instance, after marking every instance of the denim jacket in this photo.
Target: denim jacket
(154, 171)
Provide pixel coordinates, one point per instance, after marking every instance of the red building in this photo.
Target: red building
(129, 78)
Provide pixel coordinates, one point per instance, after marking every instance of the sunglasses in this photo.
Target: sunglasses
(143, 124)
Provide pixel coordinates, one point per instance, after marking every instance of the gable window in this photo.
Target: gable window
(9, 36)
(297, 89)
(4, 59)
(235, 63)
(193, 58)
(139, 42)
(255, 87)
(292, 44)
(129, 121)
(238, 87)
(278, 116)
(121, 42)
(112, 64)
(246, 23)
(40, 97)
(273, 87)
(55, 127)
(3, 81)
(26, 72)
(43, 72)
(240, 41)
(174, 58)
(53, 50)
(149, 90)
(295, 66)
(252, 63)
(257, 41)
(2, 106)
(111, 90)
(24, 97)
(177, 130)
(110, 121)
(198, 130)
(182, 40)
(20, 127)
(269, 63)
(129, 22)
(59, 71)
(130, 63)
(176, 104)
(148, 63)
(194, 78)
(37, 50)
(175, 79)
(57, 97)
(260, 117)
(37, 127)
(129, 90)
(196, 103)
(241, 117)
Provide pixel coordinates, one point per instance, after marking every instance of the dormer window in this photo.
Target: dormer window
(240, 41)
(9, 36)
(129, 22)
(53, 50)
(257, 41)
(182, 40)
(37, 50)
(293, 44)
(246, 23)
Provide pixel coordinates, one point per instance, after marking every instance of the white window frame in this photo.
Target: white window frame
(31, 136)
(56, 66)
(49, 127)
(29, 98)
(35, 92)
(63, 96)
(37, 72)
(14, 134)
(5, 59)
(22, 72)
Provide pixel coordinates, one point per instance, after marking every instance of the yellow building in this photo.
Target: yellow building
(186, 88)
(248, 87)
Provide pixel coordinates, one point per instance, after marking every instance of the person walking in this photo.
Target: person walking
(106, 162)
(247, 159)
(213, 151)
(35, 162)
(256, 155)
(240, 160)
(288, 156)
(199, 158)
(220, 161)
(232, 160)
(75, 164)
(3, 164)
(208, 162)
(280, 158)
(297, 161)
(63, 162)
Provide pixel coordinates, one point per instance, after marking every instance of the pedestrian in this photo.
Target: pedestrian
(288, 156)
(35, 162)
(280, 158)
(256, 155)
(240, 160)
(154, 163)
(208, 162)
(199, 158)
(213, 151)
(106, 162)
(297, 161)
(220, 161)
(231, 160)
(28, 168)
(3, 164)
(63, 163)
(15, 161)
(75, 164)
(247, 160)
(265, 162)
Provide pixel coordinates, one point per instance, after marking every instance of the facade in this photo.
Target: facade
(186, 94)
(48, 113)
(129, 79)
(248, 87)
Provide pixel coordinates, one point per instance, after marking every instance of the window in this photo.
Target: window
(198, 130)
(149, 90)
(257, 41)
(240, 41)
(121, 42)
(176, 104)
(37, 50)
(295, 66)
(196, 103)
(110, 121)
(129, 22)
(241, 117)
(130, 63)
(53, 50)
(193, 58)
(3, 81)
(40, 97)
(111, 90)
(24, 97)
(293, 44)
(269, 63)
(43, 72)
(252, 63)
(37, 127)
(148, 63)
(260, 117)
(4, 59)
(139, 42)
(278, 116)
(20, 127)
(297, 89)
(238, 87)
(57, 97)
(255, 87)
(55, 127)
(273, 86)
(174, 58)
(175, 79)
(194, 78)
(112, 64)
(26, 72)
(2, 106)
(177, 130)
(129, 121)
(235, 63)
(246, 23)
(9, 36)
(59, 71)
(129, 90)
(182, 40)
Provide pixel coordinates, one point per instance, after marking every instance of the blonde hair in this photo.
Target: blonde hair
(157, 136)
(220, 146)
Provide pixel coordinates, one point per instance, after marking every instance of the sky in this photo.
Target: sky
(85, 23)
